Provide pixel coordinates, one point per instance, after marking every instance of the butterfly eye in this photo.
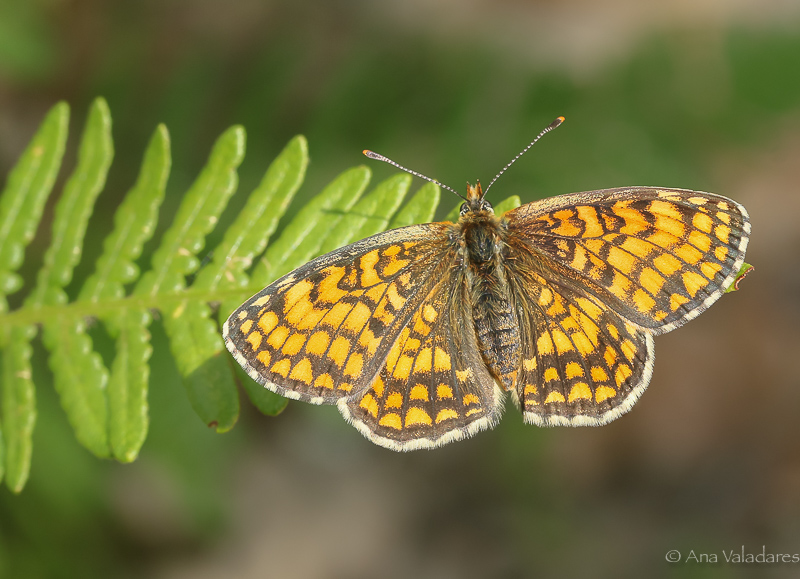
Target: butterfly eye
(486, 206)
(464, 209)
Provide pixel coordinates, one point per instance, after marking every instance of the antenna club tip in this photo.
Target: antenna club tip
(373, 155)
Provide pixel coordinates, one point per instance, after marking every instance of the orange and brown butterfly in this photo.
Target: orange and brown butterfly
(418, 333)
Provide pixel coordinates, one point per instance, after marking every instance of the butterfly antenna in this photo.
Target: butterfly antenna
(546, 130)
(377, 157)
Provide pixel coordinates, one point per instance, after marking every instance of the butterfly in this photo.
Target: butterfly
(417, 334)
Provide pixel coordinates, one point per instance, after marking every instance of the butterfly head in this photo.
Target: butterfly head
(475, 201)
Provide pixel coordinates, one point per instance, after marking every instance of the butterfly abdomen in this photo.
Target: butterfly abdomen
(496, 326)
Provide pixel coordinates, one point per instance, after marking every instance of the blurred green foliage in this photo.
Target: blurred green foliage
(27, 46)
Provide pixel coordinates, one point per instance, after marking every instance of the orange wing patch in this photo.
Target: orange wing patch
(658, 257)
(587, 366)
(429, 391)
(321, 332)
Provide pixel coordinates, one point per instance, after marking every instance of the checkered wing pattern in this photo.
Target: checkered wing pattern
(596, 275)
(560, 299)
(658, 257)
(434, 387)
(320, 333)
(582, 363)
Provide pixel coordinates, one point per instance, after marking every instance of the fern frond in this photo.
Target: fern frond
(23, 198)
(420, 209)
(194, 338)
(108, 408)
(21, 205)
(79, 376)
(302, 239)
(134, 224)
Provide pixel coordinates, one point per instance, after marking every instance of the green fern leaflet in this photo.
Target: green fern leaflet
(107, 407)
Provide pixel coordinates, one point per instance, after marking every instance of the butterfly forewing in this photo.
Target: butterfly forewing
(659, 257)
(320, 333)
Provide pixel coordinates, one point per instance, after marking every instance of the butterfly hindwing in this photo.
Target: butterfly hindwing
(581, 363)
(434, 387)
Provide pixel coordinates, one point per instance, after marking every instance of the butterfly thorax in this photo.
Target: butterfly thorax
(481, 239)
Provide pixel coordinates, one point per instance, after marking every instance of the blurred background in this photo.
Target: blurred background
(701, 94)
